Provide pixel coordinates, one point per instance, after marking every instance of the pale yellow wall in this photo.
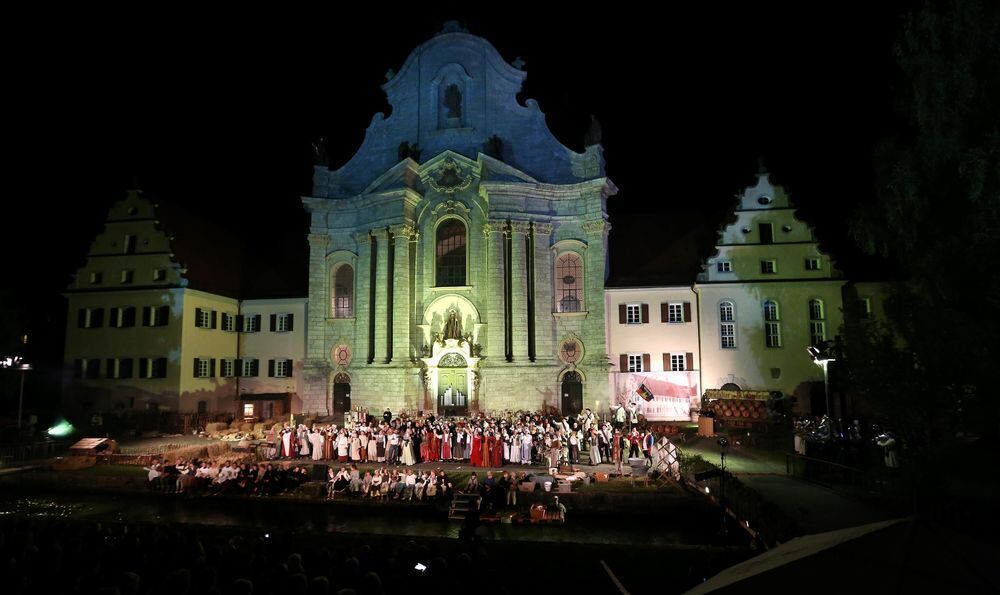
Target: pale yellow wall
(265, 345)
(219, 393)
(655, 337)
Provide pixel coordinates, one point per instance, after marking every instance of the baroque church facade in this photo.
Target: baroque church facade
(458, 259)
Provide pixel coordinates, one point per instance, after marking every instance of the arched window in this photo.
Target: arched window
(569, 282)
(727, 325)
(817, 322)
(772, 324)
(450, 253)
(342, 291)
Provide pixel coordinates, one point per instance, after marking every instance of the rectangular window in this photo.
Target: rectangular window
(249, 368)
(159, 274)
(87, 368)
(817, 332)
(228, 368)
(128, 244)
(155, 315)
(152, 367)
(635, 362)
(90, 317)
(677, 362)
(675, 313)
(247, 409)
(120, 368)
(202, 367)
(279, 368)
(251, 323)
(768, 267)
(766, 233)
(281, 323)
(96, 278)
(724, 266)
(812, 264)
(127, 276)
(228, 322)
(122, 317)
(633, 314)
(865, 307)
(205, 318)
(772, 334)
(727, 331)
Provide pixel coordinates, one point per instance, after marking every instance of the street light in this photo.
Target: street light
(822, 356)
(25, 368)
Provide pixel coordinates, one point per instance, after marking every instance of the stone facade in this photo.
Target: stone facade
(458, 252)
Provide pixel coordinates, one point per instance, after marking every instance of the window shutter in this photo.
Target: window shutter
(197, 317)
(645, 313)
(78, 368)
(288, 366)
(147, 316)
(211, 368)
(81, 318)
(621, 314)
(110, 368)
(161, 367)
(645, 362)
(128, 317)
(144, 368)
(97, 318)
(664, 312)
(290, 318)
(256, 322)
(270, 363)
(215, 319)
(666, 362)
(125, 368)
(113, 317)
(239, 323)
(623, 362)
(195, 367)
(689, 361)
(274, 321)
(163, 317)
(687, 311)
(255, 366)
(238, 367)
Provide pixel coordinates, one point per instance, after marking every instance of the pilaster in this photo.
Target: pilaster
(495, 232)
(544, 326)
(519, 289)
(595, 344)
(362, 289)
(402, 316)
(319, 295)
(380, 280)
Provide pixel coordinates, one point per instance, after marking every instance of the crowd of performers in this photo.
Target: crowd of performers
(264, 479)
(511, 438)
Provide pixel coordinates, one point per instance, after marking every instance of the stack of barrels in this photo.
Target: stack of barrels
(748, 409)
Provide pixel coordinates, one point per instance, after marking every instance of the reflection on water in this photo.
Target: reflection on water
(686, 527)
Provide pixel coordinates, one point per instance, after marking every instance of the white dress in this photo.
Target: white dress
(408, 458)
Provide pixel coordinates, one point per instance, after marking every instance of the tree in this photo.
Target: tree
(937, 215)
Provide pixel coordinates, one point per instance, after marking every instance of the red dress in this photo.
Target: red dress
(488, 451)
(425, 446)
(476, 458)
(497, 452)
(435, 451)
(446, 448)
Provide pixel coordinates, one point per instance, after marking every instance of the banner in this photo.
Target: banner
(674, 394)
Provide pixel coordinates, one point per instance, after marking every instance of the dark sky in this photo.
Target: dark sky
(215, 112)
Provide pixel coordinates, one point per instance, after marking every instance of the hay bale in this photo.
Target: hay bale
(258, 429)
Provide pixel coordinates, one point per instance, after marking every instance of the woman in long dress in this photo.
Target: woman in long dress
(380, 446)
(514, 449)
(355, 447)
(425, 446)
(526, 448)
(446, 447)
(595, 453)
(476, 456)
(435, 449)
(467, 450)
(329, 441)
(408, 458)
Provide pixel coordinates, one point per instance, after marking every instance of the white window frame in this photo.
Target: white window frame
(724, 266)
(205, 320)
(564, 295)
(631, 309)
(727, 335)
(227, 367)
(204, 367)
(228, 322)
(635, 362)
(772, 335)
(127, 276)
(280, 368)
(866, 308)
(281, 322)
(96, 278)
(678, 362)
(88, 319)
(248, 410)
(248, 367)
(250, 323)
(128, 244)
(817, 332)
(817, 311)
(768, 266)
(675, 313)
(159, 274)
(813, 264)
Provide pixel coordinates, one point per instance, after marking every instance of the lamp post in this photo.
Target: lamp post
(723, 442)
(823, 358)
(20, 396)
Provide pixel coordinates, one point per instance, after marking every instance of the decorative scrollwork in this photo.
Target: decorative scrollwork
(450, 179)
(452, 360)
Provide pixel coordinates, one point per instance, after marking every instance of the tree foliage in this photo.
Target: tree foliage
(937, 215)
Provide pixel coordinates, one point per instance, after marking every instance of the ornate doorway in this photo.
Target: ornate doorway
(572, 393)
(341, 393)
(453, 385)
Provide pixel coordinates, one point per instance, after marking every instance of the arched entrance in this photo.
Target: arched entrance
(453, 385)
(341, 393)
(572, 393)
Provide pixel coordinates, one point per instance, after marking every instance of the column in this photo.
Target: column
(363, 348)
(382, 273)
(402, 316)
(519, 289)
(594, 261)
(319, 296)
(543, 292)
(495, 232)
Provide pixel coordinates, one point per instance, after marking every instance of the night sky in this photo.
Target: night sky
(215, 112)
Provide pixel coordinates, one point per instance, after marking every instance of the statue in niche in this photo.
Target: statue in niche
(453, 101)
(320, 156)
(593, 136)
(453, 328)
